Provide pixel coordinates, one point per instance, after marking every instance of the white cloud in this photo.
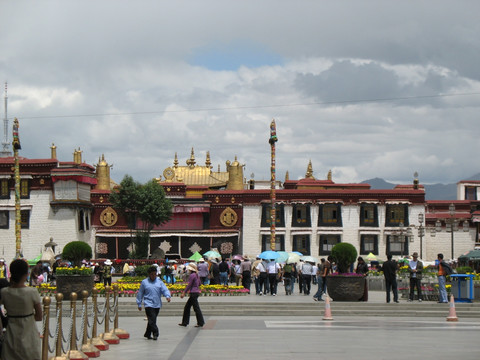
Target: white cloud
(134, 61)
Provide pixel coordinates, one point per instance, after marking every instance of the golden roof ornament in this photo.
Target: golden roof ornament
(53, 151)
(175, 161)
(191, 162)
(287, 176)
(208, 162)
(309, 174)
(329, 175)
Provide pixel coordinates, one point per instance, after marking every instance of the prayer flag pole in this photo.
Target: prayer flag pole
(273, 139)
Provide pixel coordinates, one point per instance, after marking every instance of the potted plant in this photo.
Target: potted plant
(75, 278)
(344, 285)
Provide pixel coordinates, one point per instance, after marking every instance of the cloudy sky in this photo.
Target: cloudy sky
(364, 88)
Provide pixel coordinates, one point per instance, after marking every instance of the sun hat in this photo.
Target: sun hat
(201, 260)
(108, 262)
(192, 267)
(415, 254)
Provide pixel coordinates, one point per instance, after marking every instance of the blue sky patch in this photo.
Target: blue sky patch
(231, 56)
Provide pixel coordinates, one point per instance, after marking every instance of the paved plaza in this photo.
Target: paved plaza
(287, 337)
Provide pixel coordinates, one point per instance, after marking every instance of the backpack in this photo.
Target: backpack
(448, 270)
(287, 268)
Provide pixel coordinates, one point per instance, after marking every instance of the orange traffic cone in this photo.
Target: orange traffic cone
(327, 315)
(452, 315)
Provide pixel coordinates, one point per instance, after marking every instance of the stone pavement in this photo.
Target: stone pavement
(287, 337)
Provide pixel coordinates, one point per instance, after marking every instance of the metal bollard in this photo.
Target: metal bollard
(96, 341)
(58, 345)
(74, 353)
(122, 334)
(87, 347)
(46, 328)
(107, 335)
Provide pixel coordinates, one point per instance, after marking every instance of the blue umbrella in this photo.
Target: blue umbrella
(268, 255)
(298, 253)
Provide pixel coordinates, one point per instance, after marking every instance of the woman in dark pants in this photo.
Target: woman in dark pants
(193, 287)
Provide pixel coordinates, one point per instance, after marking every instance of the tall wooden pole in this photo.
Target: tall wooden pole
(273, 139)
(18, 215)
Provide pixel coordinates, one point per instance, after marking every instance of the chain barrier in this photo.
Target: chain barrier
(66, 344)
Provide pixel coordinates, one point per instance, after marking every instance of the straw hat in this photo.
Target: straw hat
(192, 267)
(108, 262)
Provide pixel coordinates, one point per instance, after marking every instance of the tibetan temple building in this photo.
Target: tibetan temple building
(218, 209)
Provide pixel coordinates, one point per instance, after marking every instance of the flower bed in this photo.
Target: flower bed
(130, 289)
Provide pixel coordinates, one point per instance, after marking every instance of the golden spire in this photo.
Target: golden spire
(287, 176)
(208, 163)
(175, 161)
(329, 175)
(103, 174)
(191, 161)
(77, 156)
(53, 149)
(309, 174)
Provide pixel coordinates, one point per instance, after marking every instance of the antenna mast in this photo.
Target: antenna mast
(5, 145)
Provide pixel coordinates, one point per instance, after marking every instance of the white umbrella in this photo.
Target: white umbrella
(293, 258)
(310, 259)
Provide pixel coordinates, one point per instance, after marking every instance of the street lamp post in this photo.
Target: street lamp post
(404, 234)
(421, 233)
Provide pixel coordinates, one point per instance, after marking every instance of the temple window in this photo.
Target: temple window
(327, 242)
(301, 243)
(397, 245)
(369, 215)
(25, 219)
(369, 244)
(330, 215)
(279, 242)
(279, 215)
(396, 214)
(301, 215)
(4, 219)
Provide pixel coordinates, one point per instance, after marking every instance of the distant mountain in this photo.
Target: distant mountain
(432, 192)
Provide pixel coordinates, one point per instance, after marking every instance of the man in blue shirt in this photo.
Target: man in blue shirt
(151, 291)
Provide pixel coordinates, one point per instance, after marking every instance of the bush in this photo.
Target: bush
(464, 270)
(344, 255)
(142, 270)
(76, 251)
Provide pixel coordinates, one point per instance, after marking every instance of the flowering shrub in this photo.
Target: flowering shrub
(131, 289)
(74, 271)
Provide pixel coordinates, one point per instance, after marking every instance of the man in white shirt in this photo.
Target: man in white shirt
(307, 272)
(273, 269)
(415, 268)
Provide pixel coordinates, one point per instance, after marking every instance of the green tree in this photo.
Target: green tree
(147, 203)
(345, 255)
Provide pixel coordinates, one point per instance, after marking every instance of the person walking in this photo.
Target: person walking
(107, 272)
(255, 275)
(443, 270)
(245, 268)
(262, 268)
(307, 272)
(23, 305)
(415, 269)
(320, 270)
(203, 271)
(389, 269)
(150, 293)
(223, 268)
(192, 288)
(273, 269)
(362, 269)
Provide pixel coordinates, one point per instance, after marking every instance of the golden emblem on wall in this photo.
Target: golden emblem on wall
(108, 217)
(228, 217)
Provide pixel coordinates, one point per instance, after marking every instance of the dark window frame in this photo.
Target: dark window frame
(337, 208)
(301, 221)
(324, 238)
(364, 221)
(25, 219)
(364, 251)
(7, 216)
(304, 250)
(279, 240)
(470, 193)
(24, 188)
(4, 188)
(395, 239)
(391, 217)
(279, 215)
